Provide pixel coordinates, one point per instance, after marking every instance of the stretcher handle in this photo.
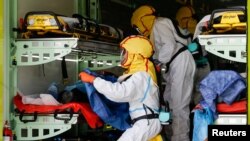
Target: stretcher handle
(211, 20)
(88, 23)
(66, 119)
(27, 120)
(119, 34)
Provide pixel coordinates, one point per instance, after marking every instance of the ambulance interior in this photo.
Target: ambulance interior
(38, 64)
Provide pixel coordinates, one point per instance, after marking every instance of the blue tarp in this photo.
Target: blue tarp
(112, 113)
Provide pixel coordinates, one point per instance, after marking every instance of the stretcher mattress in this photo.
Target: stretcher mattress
(236, 107)
(92, 118)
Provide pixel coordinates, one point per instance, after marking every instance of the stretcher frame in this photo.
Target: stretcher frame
(231, 47)
(43, 50)
(25, 129)
(22, 54)
(95, 55)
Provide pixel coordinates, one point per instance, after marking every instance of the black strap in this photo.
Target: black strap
(43, 70)
(175, 24)
(64, 70)
(174, 56)
(149, 116)
(127, 78)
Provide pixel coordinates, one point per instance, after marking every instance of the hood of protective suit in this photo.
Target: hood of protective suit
(185, 18)
(143, 19)
(139, 50)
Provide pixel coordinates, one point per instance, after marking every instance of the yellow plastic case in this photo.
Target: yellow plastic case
(232, 21)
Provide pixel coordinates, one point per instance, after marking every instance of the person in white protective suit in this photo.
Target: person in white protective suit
(138, 87)
(170, 41)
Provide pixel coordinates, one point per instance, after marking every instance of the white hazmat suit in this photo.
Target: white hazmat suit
(180, 75)
(139, 89)
(137, 86)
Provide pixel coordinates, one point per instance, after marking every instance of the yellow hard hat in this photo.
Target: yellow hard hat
(184, 17)
(136, 44)
(143, 19)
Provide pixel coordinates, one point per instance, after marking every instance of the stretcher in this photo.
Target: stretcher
(91, 29)
(46, 24)
(83, 108)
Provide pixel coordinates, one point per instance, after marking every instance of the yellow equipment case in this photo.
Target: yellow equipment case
(231, 21)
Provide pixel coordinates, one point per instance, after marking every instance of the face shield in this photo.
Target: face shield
(123, 56)
(126, 58)
(134, 46)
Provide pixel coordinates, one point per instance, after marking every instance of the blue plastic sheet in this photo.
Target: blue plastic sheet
(112, 113)
(202, 118)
